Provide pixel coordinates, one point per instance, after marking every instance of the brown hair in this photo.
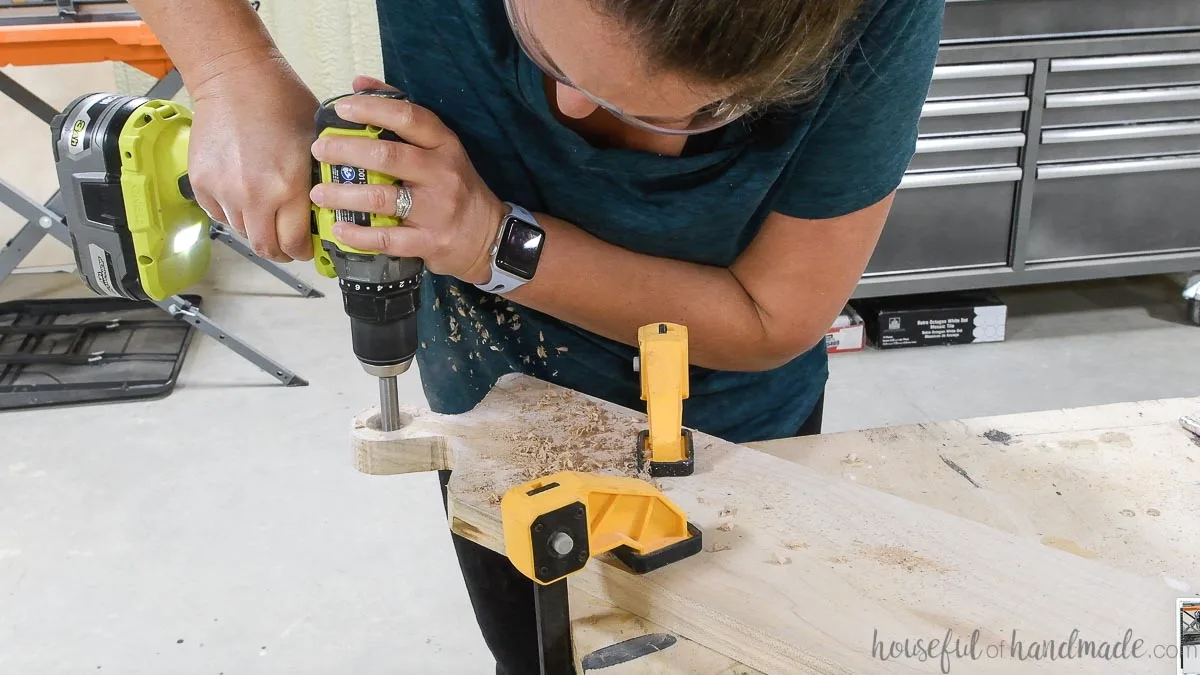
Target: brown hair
(772, 51)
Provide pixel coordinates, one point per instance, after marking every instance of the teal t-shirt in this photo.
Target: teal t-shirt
(837, 154)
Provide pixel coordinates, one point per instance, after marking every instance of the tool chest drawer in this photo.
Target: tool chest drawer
(1121, 142)
(965, 116)
(1125, 71)
(1131, 105)
(967, 152)
(981, 79)
(948, 220)
(1000, 19)
(1123, 207)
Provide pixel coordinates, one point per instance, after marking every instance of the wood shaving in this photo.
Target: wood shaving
(560, 350)
(725, 519)
(541, 352)
(902, 557)
(563, 432)
(778, 558)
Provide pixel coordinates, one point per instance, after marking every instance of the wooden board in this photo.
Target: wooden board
(597, 623)
(801, 573)
(1116, 482)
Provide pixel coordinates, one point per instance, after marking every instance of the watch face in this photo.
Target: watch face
(520, 248)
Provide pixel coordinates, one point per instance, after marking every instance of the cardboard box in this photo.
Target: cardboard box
(966, 317)
(847, 334)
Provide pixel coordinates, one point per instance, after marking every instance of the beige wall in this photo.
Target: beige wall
(327, 41)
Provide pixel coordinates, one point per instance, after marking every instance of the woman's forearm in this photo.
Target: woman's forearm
(612, 291)
(206, 38)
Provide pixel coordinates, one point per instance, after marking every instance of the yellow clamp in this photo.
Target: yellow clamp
(555, 524)
(663, 365)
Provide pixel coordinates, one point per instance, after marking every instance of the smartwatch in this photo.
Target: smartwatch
(516, 251)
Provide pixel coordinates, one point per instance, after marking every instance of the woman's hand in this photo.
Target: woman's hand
(454, 216)
(248, 159)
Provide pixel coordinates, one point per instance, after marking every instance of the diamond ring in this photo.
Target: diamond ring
(404, 201)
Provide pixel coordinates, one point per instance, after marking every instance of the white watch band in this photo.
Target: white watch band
(502, 282)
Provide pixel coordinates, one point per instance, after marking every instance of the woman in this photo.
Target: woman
(724, 165)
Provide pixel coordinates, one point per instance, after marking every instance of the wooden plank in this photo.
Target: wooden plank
(1113, 482)
(801, 573)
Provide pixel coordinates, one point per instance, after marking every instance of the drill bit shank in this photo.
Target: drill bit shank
(389, 404)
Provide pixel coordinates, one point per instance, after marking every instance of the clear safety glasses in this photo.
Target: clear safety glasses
(710, 117)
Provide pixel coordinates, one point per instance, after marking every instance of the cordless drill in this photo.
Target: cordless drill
(380, 293)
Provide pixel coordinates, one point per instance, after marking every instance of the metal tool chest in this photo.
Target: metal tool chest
(1060, 140)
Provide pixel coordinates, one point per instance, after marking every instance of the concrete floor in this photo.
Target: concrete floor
(223, 530)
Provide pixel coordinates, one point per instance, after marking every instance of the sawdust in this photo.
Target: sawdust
(725, 519)
(778, 558)
(902, 557)
(717, 548)
(795, 545)
(561, 431)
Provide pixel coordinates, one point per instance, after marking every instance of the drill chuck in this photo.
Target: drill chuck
(381, 295)
(383, 325)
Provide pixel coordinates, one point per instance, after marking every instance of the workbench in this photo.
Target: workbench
(1110, 486)
(1065, 478)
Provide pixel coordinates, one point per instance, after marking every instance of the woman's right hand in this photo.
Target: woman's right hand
(249, 158)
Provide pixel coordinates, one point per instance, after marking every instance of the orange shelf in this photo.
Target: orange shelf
(129, 42)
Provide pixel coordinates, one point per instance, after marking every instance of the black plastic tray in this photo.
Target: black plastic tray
(88, 350)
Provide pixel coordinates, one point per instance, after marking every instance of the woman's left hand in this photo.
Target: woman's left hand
(454, 216)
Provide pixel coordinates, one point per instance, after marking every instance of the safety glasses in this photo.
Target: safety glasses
(710, 117)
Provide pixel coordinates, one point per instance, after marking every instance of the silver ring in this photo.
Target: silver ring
(404, 201)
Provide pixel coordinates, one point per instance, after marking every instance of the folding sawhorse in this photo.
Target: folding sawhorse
(50, 32)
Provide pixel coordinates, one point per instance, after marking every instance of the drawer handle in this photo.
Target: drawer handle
(1099, 98)
(1123, 62)
(975, 107)
(983, 70)
(1122, 133)
(948, 178)
(961, 143)
(1051, 172)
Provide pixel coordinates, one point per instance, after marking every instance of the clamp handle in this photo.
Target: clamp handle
(663, 364)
